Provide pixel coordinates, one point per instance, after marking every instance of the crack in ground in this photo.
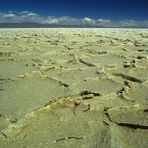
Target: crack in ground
(86, 94)
(4, 134)
(68, 138)
(128, 125)
(133, 126)
(127, 77)
(87, 63)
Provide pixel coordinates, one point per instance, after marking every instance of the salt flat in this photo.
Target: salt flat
(68, 88)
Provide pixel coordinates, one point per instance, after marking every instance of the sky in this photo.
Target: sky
(90, 12)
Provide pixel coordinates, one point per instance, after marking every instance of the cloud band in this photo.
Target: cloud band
(27, 16)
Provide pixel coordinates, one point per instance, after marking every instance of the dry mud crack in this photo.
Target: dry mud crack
(67, 88)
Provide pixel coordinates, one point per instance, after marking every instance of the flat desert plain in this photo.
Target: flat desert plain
(74, 88)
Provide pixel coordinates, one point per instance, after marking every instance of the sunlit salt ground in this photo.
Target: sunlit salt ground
(73, 88)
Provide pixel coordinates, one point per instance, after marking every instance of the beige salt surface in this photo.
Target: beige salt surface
(129, 114)
(62, 129)
(18, 94)
(67, 88)
(77, 75)
(138, 93)
(105, 59)
(103, 86)
(127, 137)
(140, 73)
(14, 68)
(143, 63)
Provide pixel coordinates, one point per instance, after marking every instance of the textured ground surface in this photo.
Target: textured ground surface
(73, 88)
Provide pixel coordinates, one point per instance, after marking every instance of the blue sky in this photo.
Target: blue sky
(113, 10)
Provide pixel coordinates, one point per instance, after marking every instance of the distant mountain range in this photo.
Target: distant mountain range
(39, 25)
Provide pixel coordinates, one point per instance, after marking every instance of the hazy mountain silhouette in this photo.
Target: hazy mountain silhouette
(39, 25)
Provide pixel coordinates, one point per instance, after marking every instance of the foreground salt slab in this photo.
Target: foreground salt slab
(68, 88)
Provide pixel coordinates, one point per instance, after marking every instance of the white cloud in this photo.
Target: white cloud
(66, 20)
(104, 22)
(32, 14)
(88, 21)
(128, 23)
(132, 23)
(28, 16)
(18, 17)
(9, 15)
(52, 20)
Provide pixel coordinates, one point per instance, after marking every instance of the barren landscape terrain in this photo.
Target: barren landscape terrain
(74, 88)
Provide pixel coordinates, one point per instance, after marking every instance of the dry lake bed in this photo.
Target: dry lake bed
(74, 88)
